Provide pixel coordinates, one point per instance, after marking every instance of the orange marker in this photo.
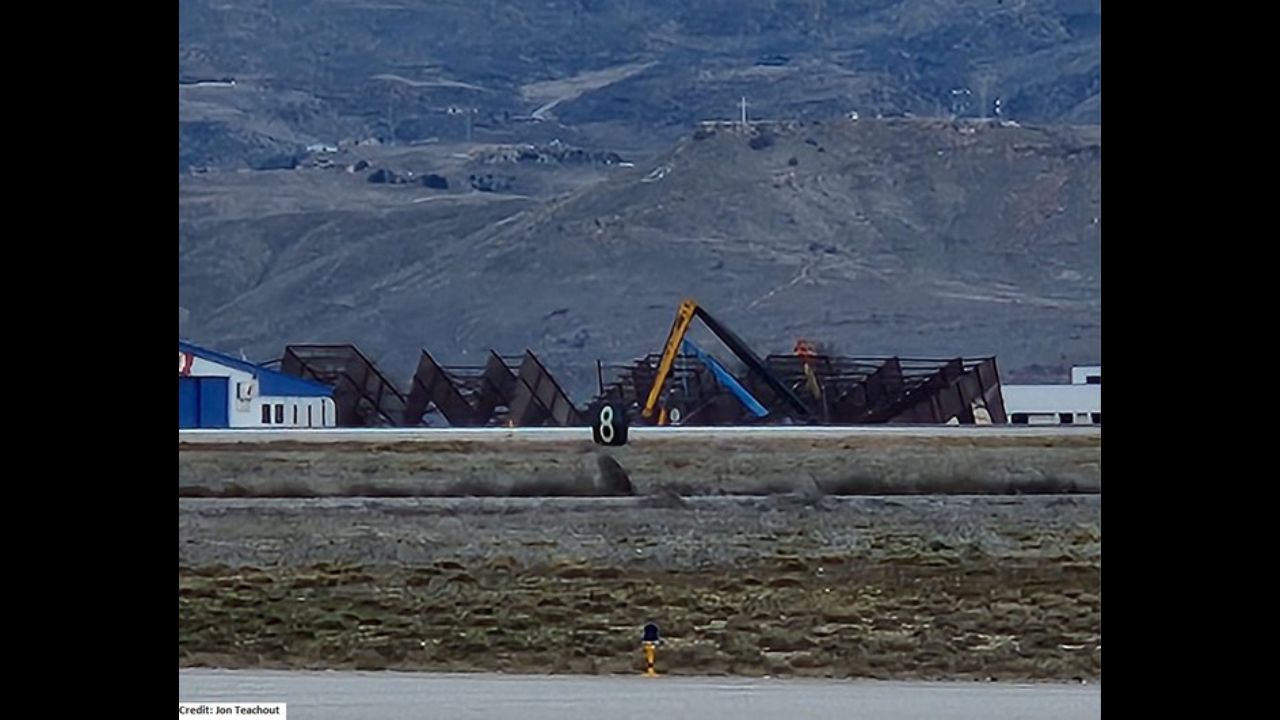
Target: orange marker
(650, 644)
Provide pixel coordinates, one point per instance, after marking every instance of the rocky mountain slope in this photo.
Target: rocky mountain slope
(917, 237)
(611, 72)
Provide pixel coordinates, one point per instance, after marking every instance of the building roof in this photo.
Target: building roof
(270, 382)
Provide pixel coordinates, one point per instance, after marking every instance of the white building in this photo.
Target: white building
(1079, 403)
(219, 391)
(1086, 375)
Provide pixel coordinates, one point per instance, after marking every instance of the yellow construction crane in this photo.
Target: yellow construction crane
(688, 310)
(684, 317)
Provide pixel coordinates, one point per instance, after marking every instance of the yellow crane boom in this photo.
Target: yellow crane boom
(688, 310)
(684, 317)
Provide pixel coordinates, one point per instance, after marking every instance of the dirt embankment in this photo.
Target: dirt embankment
(917, 587)
(871, 466)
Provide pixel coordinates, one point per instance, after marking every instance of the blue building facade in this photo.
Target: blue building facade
(216, 390)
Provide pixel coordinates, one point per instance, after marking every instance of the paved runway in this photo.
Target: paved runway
(384, 696)
(638, 435)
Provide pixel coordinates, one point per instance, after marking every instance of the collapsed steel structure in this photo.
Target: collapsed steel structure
(836, 390)
(519, 391)
(516, 392)
(363, 395)
(683, 385)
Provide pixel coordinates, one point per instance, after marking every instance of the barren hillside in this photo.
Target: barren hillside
(608, 72)
(906, 236)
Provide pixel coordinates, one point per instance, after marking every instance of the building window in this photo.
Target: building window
(309, 421)
(266, 414)
(1018, 419)
(279, 414)
(1093, 380)
(295, 414)
(1097, 418)
(1066, 418)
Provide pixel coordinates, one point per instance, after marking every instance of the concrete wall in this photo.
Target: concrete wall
(1052, 399)
(1081, 401)
(297, 412)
